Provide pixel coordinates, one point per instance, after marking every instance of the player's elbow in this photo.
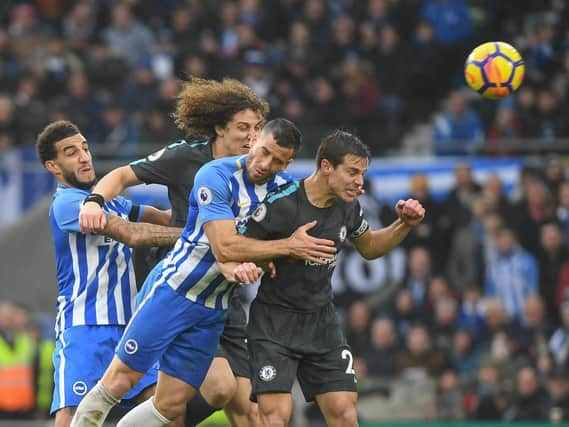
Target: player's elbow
(221, 253)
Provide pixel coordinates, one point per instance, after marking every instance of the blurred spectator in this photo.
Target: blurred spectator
(444, 324)
(419, 274)
(450, 19)
(554, 176)
(529, 214)
(381, 357)
(464, 355)
(527, 111)
(553, 254)
(18, 349)
(531, 401)
(25, 30)
(513, 275)
(471, 312)
(535, 328)
(558, 386)
(458, 206)
(127, 37)
(156, 128)
(406, 312)
(357, 328)
(488, 401)
(419, 354)
(559, 342)
(551, 121)
(79, 24)
(466, 261)
(562, 212)
(449, 397)
(459, 130)
(117, 135)
(493, 187)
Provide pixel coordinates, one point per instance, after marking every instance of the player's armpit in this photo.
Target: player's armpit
(140, 234)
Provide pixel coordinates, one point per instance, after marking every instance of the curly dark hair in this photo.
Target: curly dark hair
(50, 135)
(204, 104)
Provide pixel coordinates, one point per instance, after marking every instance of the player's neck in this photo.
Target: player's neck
(318, 192)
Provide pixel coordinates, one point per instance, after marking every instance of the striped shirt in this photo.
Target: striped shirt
(221, 191)
(95, 274)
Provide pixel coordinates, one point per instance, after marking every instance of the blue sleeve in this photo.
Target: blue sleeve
(212, 193)
(126, 206)
(66, 207)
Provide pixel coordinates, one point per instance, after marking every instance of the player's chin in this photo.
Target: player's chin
(349, 196)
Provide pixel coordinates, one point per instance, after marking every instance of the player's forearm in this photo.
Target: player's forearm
(115, 182)
(385, 239)
(241, 249)
(140, 234)
(156, 216)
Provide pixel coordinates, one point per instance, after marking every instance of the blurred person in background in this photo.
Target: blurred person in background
(553, 253)
(513, 275)
(381, 356)
(531, 400)
(219, 119)
(449, 397)
(420, 354)
(459, 130)
(559, 341)
(558, 387)
(18, 352)
(357, 327)
(96, 295)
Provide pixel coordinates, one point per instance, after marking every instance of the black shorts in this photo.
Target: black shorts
(233, 342)
(284, 345)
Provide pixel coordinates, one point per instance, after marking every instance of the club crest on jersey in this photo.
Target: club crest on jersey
(130, 346)
(204, 196)
(79, 388)
(268, 373)
(343, 233)
(259, 213)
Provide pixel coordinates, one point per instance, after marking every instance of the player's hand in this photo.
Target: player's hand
(304, 246)
(247, 273)
(269, 267)
(410, 211)
(92, 219)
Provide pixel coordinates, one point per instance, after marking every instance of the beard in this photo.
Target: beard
(82, 185)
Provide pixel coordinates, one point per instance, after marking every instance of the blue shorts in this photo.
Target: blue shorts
(81, 356)
(175, 331)
(149, 282)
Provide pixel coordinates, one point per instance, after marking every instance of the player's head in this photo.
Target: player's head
(342, 158)
(64, 152)
(277, 144)
(227, 112)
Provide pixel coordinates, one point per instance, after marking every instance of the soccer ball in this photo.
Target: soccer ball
(494, 69)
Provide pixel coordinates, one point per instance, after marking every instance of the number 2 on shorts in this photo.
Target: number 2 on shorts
(347, 354)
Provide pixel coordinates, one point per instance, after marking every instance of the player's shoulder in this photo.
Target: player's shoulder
(182, 150)
(65, 195)
(285, 193)
(225, 164)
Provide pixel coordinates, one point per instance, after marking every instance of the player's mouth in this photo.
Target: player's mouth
(85, 170)
(352, 192)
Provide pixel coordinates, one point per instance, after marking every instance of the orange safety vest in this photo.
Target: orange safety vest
(17, 388)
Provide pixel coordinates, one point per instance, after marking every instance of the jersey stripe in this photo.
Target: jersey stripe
(95, 274)
(287, 191)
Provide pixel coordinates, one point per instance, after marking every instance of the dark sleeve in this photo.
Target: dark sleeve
(270, 221)
(358, 225)
(165, 166)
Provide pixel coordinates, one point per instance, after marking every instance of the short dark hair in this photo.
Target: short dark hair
(53, 133)
(285, 133)
(337, 144)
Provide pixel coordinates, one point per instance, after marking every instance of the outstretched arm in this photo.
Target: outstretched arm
(92, 219)
(376, 243)
(139, 234)
(227, 245)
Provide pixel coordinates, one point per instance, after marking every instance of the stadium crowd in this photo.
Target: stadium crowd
(112, 66)
(482, 311)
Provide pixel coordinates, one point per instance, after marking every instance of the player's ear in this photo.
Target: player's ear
(219, 130)
(52, 167)
(326, 166)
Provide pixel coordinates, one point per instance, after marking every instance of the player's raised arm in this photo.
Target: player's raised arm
(376, 243)
(92, 218)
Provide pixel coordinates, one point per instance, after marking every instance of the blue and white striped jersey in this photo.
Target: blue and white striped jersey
(95, 274)
(221, 191)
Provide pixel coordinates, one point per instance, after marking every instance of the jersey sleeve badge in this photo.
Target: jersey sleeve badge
(204, 196)
(260, 213)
